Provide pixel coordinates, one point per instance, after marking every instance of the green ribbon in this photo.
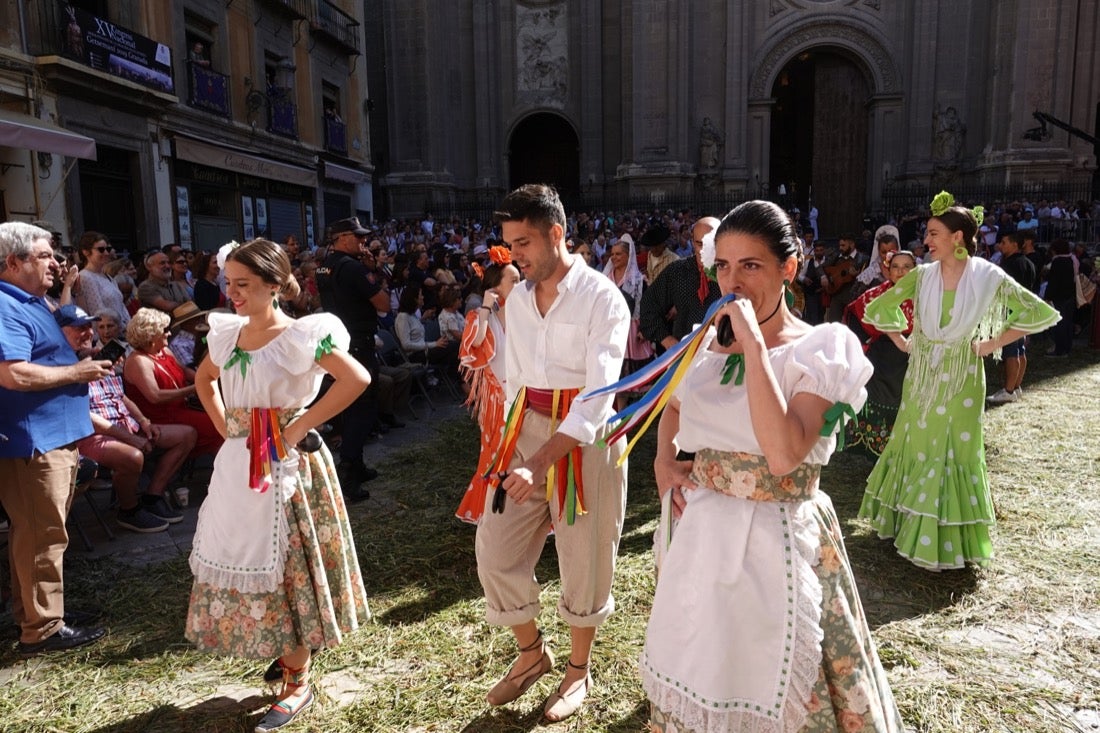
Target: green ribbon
(241, 358)
(734, 363)
(834, 422)
(324, 347)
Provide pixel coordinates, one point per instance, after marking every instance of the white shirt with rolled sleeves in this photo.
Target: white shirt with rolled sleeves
(578, 344)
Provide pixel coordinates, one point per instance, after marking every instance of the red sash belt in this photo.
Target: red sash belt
(565, 474)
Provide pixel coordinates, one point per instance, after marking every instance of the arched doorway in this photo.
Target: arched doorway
(544, 149)
(819, 136)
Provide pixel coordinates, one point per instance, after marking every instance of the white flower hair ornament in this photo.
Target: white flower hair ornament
(708, 255)
(223, 253)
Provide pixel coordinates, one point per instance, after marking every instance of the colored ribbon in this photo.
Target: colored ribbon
(668, 370)
(565, 474)
(835, 418)
(266, 447)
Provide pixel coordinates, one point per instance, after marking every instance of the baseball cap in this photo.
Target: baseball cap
(73, 315)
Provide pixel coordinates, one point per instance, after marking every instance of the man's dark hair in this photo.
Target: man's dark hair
(1014, 237)
(535, 203)
(850, 236)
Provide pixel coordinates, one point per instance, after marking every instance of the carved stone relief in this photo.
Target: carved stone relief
(884, 72)
(542, 50)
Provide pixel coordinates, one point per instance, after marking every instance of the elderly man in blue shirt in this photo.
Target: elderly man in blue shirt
(43, 388)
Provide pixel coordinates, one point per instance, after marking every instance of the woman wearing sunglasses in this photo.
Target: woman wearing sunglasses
(96, 291)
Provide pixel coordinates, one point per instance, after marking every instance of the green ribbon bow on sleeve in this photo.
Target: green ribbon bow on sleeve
(835, 417)
(324, 347)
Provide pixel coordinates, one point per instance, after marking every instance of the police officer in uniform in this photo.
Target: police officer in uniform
(355, 294)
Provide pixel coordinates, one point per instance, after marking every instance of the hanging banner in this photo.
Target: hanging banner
(106, 47)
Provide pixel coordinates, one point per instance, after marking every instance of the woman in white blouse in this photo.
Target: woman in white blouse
(756, 624)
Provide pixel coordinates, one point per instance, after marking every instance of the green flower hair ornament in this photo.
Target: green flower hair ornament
(979, 214)
(941, 203)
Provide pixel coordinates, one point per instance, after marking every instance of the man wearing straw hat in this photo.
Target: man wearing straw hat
(567, 330)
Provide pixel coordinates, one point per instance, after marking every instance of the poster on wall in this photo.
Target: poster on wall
(247, 219)
(261, 218)
(183, 216)
(309, 227)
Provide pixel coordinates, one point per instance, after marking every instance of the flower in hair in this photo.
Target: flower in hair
(708, 253)
(223, 253)
(979, 213)
(476, 267)
(941, 203)
(500, 256)
(707, 256)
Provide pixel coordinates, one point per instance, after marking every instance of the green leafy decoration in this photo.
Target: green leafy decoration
(941, 203)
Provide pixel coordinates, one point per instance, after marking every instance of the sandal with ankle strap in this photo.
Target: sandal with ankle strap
(512, 686)
(560, 706)
(284, 711)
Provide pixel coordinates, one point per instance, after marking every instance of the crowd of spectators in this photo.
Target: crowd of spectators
(152, 305)
(154, 302)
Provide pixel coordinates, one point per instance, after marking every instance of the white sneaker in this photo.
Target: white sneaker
(1017, 393)
(1000, 397)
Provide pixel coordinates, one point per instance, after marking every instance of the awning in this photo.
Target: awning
(343, 173)
(218, 156)
(18, 130)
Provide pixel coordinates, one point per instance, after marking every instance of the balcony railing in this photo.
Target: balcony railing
(282, 113)
(333, 22)
(336, 136)
(209, 90)
(296, 8)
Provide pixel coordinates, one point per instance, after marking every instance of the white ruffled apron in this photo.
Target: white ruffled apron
(734, 639)
(242, 536)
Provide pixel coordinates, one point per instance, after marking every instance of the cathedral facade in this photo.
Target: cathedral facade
(829, 102)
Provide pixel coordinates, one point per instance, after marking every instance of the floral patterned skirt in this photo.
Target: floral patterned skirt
(714, 662)
(322, 595)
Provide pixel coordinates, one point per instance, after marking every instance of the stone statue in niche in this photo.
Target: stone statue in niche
(950, 133)
(711, 142)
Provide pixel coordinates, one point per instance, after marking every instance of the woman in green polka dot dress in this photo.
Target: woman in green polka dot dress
(929, 490)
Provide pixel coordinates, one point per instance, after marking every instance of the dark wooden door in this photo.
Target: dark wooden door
(840, 144)
(108, 197)
(544, 149)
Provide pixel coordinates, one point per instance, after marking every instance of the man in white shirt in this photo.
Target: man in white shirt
(567, 331)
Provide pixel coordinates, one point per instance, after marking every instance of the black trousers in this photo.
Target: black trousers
(361, 415)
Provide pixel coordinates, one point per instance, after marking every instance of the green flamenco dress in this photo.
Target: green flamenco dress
(929, 491)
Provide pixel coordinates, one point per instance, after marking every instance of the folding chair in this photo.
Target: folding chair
(86, 482)
(431, 335)
(392, 354)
